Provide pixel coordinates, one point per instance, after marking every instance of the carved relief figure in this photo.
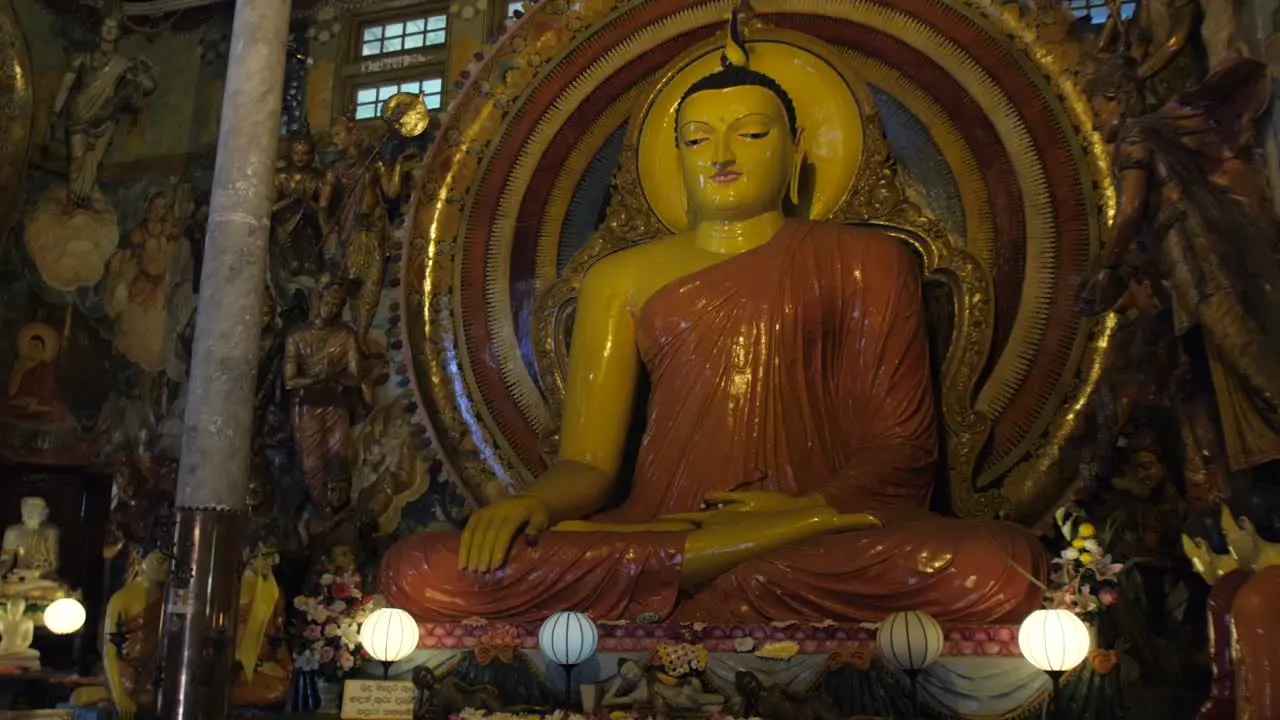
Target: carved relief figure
(148, 290)
(363, 183)
(791, 439)
(321, 367)
(1188, 180)
(33, 382)
(297, 224)
(98, 88)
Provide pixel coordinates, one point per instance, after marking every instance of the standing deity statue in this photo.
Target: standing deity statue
(791, 439)
(321, 369)
(1188, 182)
(100, 85)
(357, 244)
(297, 224)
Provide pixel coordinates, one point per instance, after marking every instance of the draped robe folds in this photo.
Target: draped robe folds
(800, 366)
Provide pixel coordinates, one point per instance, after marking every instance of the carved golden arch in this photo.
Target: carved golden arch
(958, 289)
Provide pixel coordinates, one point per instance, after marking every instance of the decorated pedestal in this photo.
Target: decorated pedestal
(981, 671)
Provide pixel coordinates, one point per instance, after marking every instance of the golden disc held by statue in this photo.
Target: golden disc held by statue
(407, 114)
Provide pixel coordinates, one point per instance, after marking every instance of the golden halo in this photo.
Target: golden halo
(827, 97)
(52, 343)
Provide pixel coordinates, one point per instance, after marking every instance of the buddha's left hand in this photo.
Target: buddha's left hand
(750, 501)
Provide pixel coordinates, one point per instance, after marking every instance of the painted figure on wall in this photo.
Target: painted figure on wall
(148, 290)
(33, 381)
(99, 87)
(362, 183)
(1188, 178)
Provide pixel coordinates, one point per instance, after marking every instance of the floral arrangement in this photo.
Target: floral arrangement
(1084, 577)
(680, 660)
(329, 622)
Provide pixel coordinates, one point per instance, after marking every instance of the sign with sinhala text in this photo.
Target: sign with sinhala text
(377, 700)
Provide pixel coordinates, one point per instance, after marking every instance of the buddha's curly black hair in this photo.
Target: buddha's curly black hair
(732, 76)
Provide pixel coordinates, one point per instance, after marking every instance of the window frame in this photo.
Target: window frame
(357, 71)
(397, 77)
(1093, 5)
(355, 39)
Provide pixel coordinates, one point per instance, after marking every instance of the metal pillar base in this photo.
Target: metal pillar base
(201, 615)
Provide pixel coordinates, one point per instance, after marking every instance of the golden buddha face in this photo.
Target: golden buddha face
(736, 152)
(301, 153)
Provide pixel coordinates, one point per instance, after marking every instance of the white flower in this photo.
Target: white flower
(337, 607)
(326, 579)
(349, 631)
(307, 660)
(316, 611)
(1070, 554)
(1092, 546)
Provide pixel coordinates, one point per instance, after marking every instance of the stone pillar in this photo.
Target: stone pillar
(203, 595)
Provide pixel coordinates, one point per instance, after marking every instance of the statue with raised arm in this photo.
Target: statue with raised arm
(791, 444)
(99, 86)
(362, 183)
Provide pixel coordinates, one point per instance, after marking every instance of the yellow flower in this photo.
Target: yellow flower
(1085, 530)
(1086, 558)
(1077, 543)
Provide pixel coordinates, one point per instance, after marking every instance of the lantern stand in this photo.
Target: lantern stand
(1051, 706)
(913, 675)
(568, 639)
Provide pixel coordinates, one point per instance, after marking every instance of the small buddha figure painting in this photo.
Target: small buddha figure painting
(32, 392)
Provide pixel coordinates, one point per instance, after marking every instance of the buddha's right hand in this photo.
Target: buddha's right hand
(490, 531)
(126, 708)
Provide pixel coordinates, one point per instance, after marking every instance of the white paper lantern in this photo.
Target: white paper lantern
(1054, 641)
(568, 638)
(910, 640)
(389, 635)
(64, 616)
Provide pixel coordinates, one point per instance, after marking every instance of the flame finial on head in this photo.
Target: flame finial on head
(735, 47)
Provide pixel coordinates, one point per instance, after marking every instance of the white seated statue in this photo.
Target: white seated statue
(29, 553)
(16, 632)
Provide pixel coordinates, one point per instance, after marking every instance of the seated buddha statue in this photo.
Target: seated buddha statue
(791, 443)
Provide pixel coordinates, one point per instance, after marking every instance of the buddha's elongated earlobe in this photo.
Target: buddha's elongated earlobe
(797, 162)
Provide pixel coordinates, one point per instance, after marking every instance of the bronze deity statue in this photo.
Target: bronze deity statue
(321, 369)
(297, 223)
(1188, 179)
(363, 183)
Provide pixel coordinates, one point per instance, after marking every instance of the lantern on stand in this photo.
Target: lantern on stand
(64, 616)
(389, 635)
(568, 639)
(910, 641)
(1054, 641)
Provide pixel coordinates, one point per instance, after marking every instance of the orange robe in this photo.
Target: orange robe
(800, 366)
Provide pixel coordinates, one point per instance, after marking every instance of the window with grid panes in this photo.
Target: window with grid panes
(369, 98)
(403, 35)
(1097, 10)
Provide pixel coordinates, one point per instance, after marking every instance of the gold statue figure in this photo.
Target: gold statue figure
(264, 664)
(99, 86)
(791, 440)
(297, 223)
(359, 235)
(321, 367)
(1187, 178)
